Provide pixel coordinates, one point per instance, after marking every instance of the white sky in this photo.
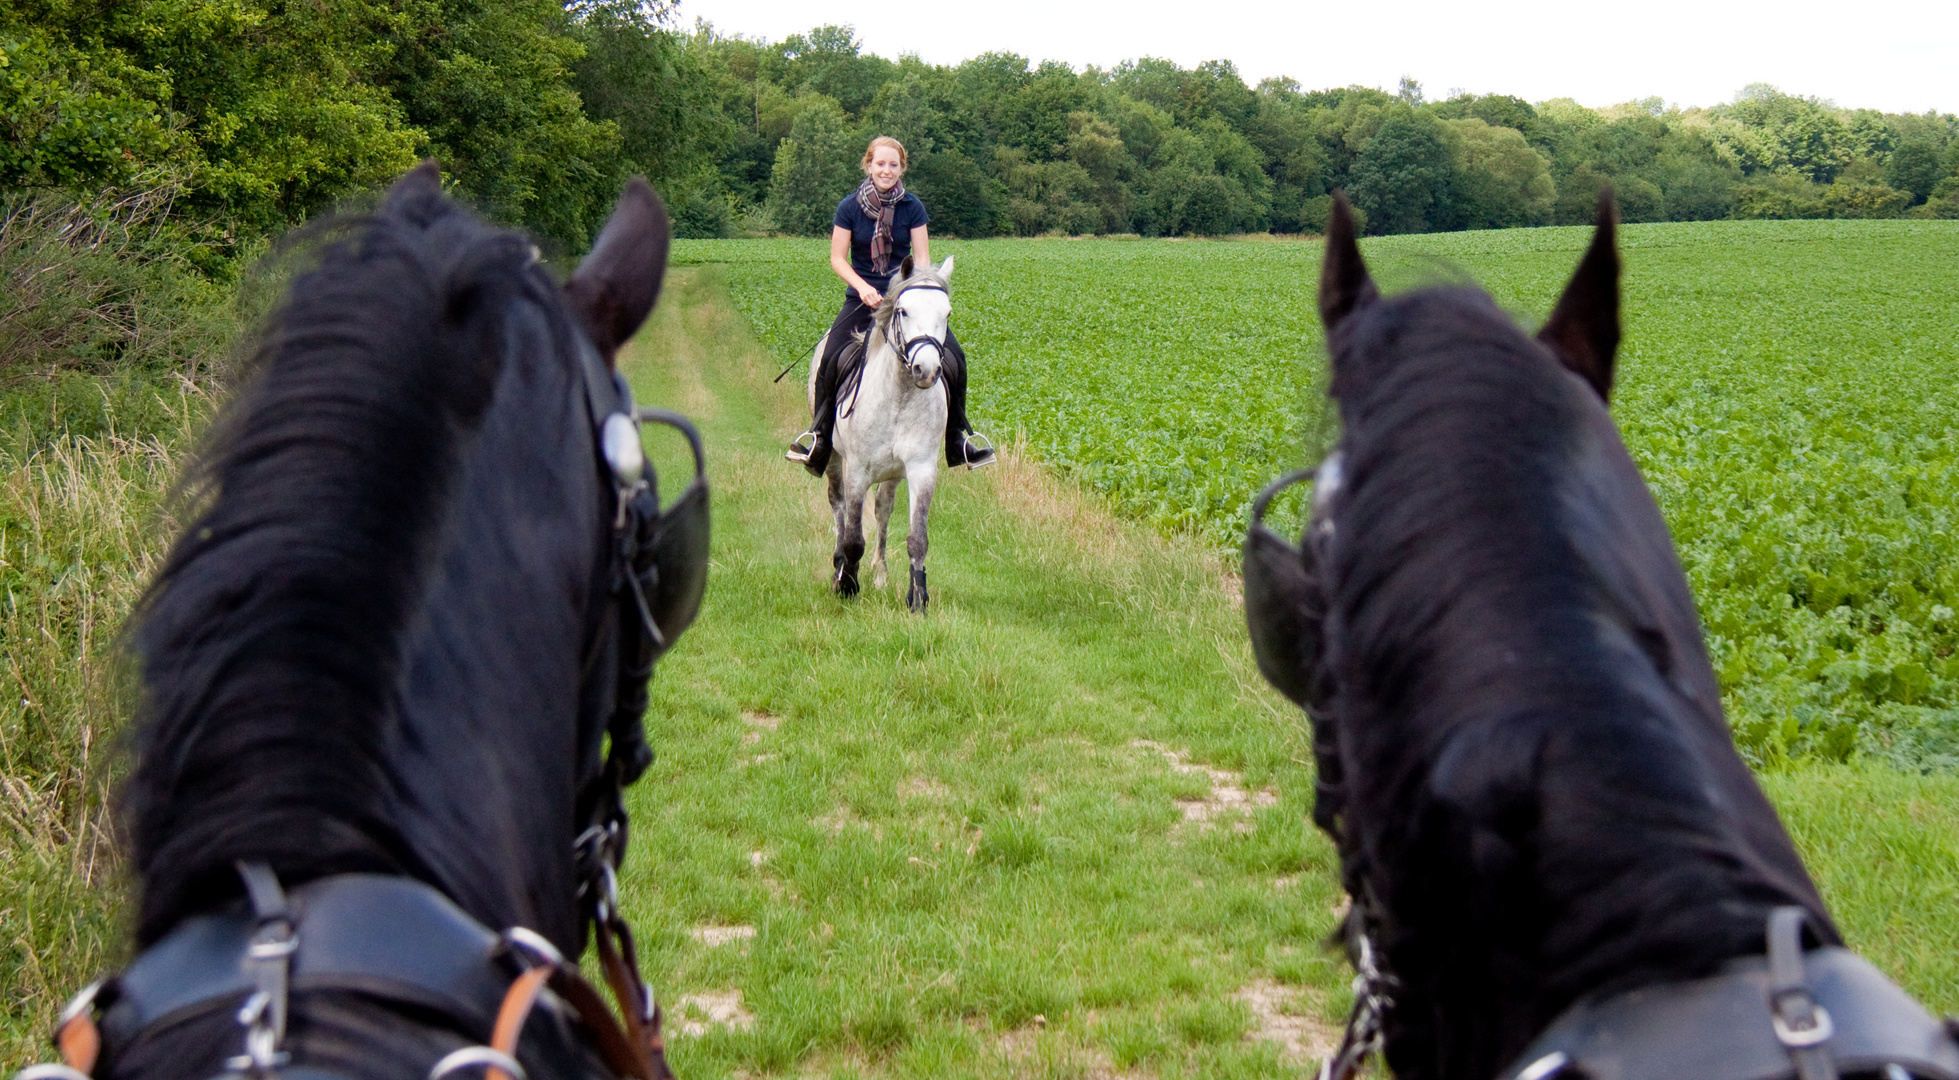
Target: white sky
(1898, 57)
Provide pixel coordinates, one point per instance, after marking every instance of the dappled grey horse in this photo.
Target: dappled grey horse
(891, 418)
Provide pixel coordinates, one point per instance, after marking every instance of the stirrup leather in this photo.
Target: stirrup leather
(798, 452)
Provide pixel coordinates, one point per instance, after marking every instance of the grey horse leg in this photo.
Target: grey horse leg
(887, 495)
(920, 483)
(850, 532)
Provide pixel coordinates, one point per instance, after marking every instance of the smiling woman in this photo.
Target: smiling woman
(879, 228)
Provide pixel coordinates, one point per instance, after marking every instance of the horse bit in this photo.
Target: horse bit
(435, 957)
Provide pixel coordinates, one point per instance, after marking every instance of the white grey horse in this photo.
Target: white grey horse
(891, 425)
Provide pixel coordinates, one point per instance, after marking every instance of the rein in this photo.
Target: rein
(403, 942)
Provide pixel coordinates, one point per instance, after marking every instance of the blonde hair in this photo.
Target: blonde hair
(904, 159)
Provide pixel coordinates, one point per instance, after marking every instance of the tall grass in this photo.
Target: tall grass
(79, 533)
(109, 333)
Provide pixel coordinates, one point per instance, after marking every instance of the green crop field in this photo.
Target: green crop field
(1790, 388)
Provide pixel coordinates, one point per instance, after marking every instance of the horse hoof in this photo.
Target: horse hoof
(846, 584)
(878, 578)
(916, 597)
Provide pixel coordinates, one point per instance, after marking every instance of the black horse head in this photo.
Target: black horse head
(1522, 752)
(389, 643)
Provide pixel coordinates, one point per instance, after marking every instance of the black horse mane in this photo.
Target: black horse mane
(270, 643)
(1541, 799)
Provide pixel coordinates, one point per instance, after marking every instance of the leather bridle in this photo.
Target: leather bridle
(401, 941)
(908, 347)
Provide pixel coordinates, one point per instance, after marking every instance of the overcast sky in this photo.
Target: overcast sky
(1898, 57)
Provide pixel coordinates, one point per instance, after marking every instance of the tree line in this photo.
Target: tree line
(1005, 147)
(261, 113)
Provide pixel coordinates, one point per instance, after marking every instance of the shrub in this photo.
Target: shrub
(104, 286)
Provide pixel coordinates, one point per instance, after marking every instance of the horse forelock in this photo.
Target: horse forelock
(273, 642)
(1535, 767)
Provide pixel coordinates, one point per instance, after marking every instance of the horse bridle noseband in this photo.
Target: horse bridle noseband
(401, 941)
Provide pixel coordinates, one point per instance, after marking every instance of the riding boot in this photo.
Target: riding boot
(812, 448)
(823, 420)
(959, 447)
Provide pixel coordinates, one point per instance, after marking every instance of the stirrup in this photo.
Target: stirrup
(979, 451)
(799, 453)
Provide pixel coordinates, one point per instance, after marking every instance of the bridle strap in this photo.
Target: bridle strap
(619, 957)
(511, 1015)
(907, 346)
(633, 1050)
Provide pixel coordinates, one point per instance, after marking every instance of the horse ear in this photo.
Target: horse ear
(904, 268)
(1345, 286)
(616, 285)
(418, 184)
(945, 269)
(1583, 331)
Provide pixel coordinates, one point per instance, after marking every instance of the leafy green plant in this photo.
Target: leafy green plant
(1785, 386)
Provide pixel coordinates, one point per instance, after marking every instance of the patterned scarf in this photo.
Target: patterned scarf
(882, 205)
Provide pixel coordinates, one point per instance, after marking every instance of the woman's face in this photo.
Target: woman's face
(884, 168)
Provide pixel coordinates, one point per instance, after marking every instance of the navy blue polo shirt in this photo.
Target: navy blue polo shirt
(909, 214)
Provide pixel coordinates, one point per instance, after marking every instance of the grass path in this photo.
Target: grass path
(1056, 828)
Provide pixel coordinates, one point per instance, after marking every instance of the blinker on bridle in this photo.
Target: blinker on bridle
(1283, 599)
(664, 552)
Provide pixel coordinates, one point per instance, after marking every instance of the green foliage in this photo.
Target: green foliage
(962, 199)
(1160, 150)
(1802, 134)
(643, 80)
(1915, 168)
(1780, 195)
(1396, 178)
(74, 116)
(815, 167)
(1500, 181)
(1852, 197)
(274, 112)
(491, 85)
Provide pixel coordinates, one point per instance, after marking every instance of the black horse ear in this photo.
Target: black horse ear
(420, 183)
(1345, 286)
(904, 268)
(1583, 331)
(614, 288)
